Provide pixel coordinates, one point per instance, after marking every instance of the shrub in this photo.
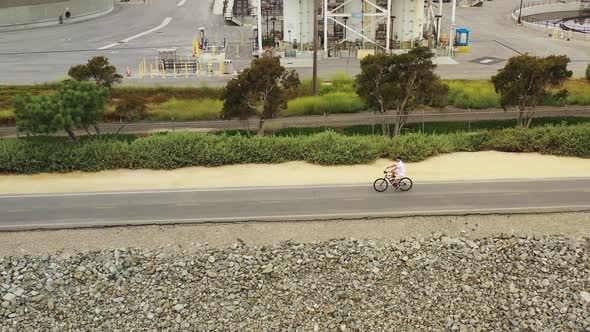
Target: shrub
(7, 117)
(170, 151)
(472, 94)
(186, 110)
(331, 103)
(131, 108)
(330, 148)
(588, 72)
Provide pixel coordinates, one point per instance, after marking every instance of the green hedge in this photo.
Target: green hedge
(170, 151)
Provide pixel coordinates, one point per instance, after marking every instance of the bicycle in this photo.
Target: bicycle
(381, 184)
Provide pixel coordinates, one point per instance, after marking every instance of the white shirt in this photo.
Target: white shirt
(401, 168)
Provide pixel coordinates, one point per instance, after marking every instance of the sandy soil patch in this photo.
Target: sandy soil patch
(456, 166)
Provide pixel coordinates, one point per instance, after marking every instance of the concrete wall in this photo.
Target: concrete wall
(298, 19)
(19, 14)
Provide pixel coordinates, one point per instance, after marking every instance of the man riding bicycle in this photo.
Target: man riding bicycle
(398, 170)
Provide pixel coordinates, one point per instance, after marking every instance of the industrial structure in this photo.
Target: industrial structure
(377, 24)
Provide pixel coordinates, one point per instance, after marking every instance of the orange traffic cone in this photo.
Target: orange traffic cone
(128, 72)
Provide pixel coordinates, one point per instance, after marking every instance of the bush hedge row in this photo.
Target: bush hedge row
(170, 151)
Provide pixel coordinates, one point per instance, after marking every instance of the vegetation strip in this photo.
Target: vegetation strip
(177, 150)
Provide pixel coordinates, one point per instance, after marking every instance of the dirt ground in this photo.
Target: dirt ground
(191, 237)
(448, 167)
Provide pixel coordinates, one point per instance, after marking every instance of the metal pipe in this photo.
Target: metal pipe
(388, 27)
(439, 22)
(259, 12)
(315, 47)
(325, 28)
(452, 34)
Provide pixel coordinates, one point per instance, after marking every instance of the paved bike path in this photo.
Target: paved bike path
(290, 203)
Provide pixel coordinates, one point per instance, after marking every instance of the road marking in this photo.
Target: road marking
(109, 46)
(223, 189)
(181, 3)
(529, 209)
(190, 204)
(269, 202)
(164, 23)
(486, 61)
(353, 199)
(20, 210)
(104, 207)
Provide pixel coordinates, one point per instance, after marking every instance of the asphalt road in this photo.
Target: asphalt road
(73, 210)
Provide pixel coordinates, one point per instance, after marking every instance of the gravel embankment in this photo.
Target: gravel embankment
(437, 283)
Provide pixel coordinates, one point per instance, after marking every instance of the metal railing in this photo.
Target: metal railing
(325, 121)
(539, 3)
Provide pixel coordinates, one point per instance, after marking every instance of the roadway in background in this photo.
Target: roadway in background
(45, 54)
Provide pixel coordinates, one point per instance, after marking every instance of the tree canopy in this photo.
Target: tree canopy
(401, 83)
(262, 90)
(97, 69)
(526, 80)
(75, 105)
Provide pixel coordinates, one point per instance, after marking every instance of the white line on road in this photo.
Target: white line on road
(531, 209)
(109, 46)
(164, 23)
(181, 3)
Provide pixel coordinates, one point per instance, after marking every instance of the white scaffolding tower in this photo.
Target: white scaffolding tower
(379, 14)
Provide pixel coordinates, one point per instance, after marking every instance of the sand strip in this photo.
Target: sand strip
(450, 167)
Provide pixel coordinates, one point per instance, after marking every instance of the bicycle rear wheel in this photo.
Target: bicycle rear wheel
(405, 184)
(380, 185)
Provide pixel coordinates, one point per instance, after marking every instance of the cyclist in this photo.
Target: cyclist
(398, 170)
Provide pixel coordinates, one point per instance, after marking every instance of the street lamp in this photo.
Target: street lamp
(520, 13)
(438, 19)
(267, 11)
(391, 32)
(345, 18)
(274, 33)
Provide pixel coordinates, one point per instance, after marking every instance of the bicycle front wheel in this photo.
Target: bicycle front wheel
(405, 184)
(380, 185)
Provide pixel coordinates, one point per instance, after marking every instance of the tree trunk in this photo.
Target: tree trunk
(73, 136)
(385, 123)
(261, 127)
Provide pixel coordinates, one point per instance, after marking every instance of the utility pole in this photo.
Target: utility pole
(315, 47)
(520, 13)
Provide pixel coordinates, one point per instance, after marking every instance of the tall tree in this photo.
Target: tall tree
(262, 90)
(75, 105)
(526, 80)
(97, 69)
(401, 83)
